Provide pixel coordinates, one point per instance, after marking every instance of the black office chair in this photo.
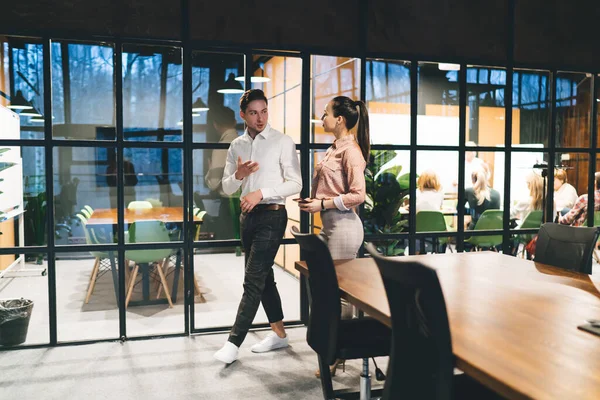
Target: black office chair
(328, 335)
(566, 246)
(421, 361)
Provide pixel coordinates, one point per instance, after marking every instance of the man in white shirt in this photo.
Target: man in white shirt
(472, 163)
(264, 163)
(224, 122)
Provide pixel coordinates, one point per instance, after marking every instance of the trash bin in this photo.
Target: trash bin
(14, 321)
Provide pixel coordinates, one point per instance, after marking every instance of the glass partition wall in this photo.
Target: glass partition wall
(113, 219)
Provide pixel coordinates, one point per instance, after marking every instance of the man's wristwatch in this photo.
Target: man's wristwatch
(322, 204)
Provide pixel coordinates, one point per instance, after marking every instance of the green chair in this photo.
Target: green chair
(148, 232)
(490, 219)
(200, 214)
(85, 213)
(89, 209)
(533, 220)
(100, 258)
(432, 221)
(139, 205)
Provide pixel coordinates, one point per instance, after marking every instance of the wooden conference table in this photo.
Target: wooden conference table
(108, 217)
(513, 322)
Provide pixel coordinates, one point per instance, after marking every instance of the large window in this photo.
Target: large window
(109, 197)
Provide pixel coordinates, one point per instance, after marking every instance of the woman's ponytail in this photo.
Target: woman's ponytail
(354, 112)
(363, 136)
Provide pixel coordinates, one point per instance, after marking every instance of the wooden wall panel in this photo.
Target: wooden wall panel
(286, 24)
(134, 18)
(557, 32)
(440, 28)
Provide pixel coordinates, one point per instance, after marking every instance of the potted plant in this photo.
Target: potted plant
(386, 191)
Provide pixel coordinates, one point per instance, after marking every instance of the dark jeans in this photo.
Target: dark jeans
(262, 232)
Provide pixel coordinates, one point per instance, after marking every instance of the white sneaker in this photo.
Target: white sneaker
(271, 342)
(228, 353)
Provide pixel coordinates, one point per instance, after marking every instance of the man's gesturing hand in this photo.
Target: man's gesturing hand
(245, 168)
(248, 202)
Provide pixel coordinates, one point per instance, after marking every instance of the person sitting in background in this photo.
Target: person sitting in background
(565, 194)
(429, 194)
(578, 214)
(533, 202)
(481, 196)
(472, 163)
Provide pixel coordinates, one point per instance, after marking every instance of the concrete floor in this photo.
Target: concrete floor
(220, 277)
(173, 369)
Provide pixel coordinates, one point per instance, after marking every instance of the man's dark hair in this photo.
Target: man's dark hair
(222, 115)
(251, 95)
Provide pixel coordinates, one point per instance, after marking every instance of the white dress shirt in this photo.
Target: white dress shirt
(278, 175)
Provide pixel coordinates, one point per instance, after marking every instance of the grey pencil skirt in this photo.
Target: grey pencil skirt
(344, 233)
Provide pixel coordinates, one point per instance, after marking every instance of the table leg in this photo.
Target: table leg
(145, 281)
(115, 276)
(176, 277)
(365, 381)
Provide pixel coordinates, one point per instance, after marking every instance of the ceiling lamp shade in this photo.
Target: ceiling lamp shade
(254, 79)
(231, 86)
(449, 67)
(259, 78)
(18, 102)
(199, 105)
(33, 112)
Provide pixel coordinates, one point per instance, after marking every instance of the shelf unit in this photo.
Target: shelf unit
(11, 194)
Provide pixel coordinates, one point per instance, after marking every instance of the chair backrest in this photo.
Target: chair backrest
(421, 362)
(325, 310)
(83, 221)
(532, 220)
(490, 219)
(148, 232)
(566, 246)
(89, 209)
(137, 205)
(431, 221)
(86, 213)
(154, 202)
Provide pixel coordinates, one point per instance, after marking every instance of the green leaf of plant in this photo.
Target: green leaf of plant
(393, 170)
(404, 181)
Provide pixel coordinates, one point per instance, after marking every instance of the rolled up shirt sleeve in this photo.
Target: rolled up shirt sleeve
(229, 183)
(290, 167)
(354, 165)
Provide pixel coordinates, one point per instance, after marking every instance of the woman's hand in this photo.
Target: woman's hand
(311, 206)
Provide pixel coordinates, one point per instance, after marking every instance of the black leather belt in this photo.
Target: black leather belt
(267, 207)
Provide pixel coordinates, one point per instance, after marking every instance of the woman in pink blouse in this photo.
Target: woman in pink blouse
(338, 185)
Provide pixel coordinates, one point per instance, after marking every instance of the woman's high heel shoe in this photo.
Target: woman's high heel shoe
(333, 368)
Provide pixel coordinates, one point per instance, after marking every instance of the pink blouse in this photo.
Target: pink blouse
(341, 175)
